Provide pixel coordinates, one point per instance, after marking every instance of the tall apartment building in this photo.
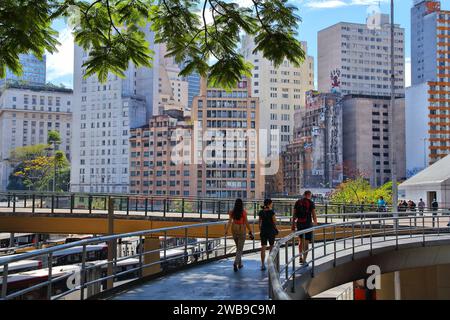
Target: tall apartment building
(314, 159)
(280, 90)
(162, 157)
(27, 114)
(430, 65)
(355, 58)
(226, 126)
(103, 116)
(367, 138)
(34, 71)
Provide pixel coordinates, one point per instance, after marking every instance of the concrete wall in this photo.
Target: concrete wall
(359, 132)
(431, 283)
(416, 127)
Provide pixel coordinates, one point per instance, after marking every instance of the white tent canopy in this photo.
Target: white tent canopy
(431, 183)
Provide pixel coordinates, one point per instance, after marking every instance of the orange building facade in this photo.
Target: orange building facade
(439, 93)
(227, 142)
(161, 157)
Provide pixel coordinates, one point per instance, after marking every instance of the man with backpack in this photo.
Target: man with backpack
(304, 216)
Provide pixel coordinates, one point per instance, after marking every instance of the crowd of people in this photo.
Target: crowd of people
(410, 205)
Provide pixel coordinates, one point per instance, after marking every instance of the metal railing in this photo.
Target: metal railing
(344, 239)
(91, 278)
(92, 274)
(161, 206)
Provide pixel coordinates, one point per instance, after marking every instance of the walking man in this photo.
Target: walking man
(304, 218)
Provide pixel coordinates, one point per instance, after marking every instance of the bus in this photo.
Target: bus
(22, 266)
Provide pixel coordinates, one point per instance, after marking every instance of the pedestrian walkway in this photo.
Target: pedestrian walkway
(211, 281)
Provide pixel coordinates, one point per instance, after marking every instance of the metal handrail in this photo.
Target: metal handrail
(210, 252)
(167, 206)
(37, 198)
(379, 234)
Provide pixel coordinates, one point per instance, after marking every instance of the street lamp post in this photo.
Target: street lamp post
(425, 152)
(397, 286)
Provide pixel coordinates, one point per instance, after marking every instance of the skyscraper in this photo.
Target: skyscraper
(354, 58)
(103, 115)
(427, 103)
(33, 71)
(225, 142)
(27, 114)
(280, 90)
(314, 159)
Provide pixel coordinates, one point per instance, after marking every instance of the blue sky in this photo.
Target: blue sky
(316, 15)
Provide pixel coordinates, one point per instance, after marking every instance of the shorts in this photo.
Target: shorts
(267, 238)
(306, 236)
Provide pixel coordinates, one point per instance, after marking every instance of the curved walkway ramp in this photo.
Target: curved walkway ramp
(409, 242)
(211, 281)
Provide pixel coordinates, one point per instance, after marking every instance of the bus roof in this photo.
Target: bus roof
(21, 264)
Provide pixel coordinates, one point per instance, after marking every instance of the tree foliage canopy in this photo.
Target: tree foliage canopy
(203, 34)
(359, 191)
(34, 167)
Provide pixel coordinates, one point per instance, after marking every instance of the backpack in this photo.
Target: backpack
(301, 210)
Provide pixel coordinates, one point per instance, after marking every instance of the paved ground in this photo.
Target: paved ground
(212, 281)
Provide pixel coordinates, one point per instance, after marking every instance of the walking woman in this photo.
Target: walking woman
(238, 222)
(268, 229)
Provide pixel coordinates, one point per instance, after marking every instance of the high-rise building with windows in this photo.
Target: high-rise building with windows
(33, 69)
(103, 116)
(367, 137)
(27, 114)
(314, 159)
(226, 125)
(161, 157)
(427, 100)
(280, 90)
(354, 58)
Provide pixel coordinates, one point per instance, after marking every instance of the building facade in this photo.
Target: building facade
(226, 126)
(27, 114)
(416, 127)
(367, 138)
(103, 116)
(314, 160)
(355, 58)
(34, 71)
(161, 159)
(430, 65)
(173, 90)
(281, 91)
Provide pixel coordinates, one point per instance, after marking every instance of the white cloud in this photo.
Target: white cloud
(407, 72)
(60, 63)
(330, 4)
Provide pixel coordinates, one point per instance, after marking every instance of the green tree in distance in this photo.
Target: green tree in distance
(35, 166)
(359, 191)
(203, 33)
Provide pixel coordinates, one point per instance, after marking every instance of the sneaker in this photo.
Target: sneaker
(235, 268)
(263, 268)
(241, 266)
